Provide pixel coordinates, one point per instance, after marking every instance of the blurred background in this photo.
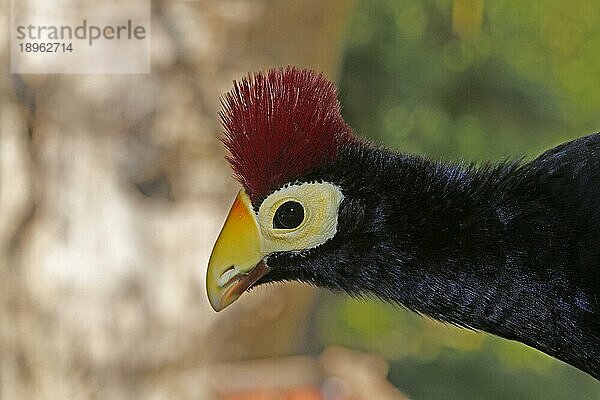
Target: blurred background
(114, 187)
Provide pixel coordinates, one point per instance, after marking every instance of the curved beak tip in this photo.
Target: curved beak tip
(218, 304)
(222, 295)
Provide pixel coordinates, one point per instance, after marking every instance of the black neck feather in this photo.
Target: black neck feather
(493, 248)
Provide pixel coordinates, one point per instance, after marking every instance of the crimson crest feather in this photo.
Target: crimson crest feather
(279, 125)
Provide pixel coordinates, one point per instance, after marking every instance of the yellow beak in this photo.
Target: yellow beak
(236, 261)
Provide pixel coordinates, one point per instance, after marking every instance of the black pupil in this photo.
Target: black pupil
(289, 215)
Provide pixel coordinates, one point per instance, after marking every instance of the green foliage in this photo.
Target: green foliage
(472, 80)
(528, 78)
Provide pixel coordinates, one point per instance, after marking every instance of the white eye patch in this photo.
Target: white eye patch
(320, 203)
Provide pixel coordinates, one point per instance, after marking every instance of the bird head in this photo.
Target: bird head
(283, 133)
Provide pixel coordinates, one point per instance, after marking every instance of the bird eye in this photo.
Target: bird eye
(289, 215)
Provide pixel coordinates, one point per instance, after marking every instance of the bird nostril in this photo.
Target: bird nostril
(227, 276)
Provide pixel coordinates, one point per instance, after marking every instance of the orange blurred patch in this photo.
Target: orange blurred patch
(300, 393)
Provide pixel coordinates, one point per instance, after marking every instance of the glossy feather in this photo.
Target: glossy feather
(512, 249)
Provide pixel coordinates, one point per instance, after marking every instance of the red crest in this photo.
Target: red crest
(279, 125)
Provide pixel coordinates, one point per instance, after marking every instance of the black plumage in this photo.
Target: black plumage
(512, 249)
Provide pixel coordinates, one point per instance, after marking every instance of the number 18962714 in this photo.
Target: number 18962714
(49, 47)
